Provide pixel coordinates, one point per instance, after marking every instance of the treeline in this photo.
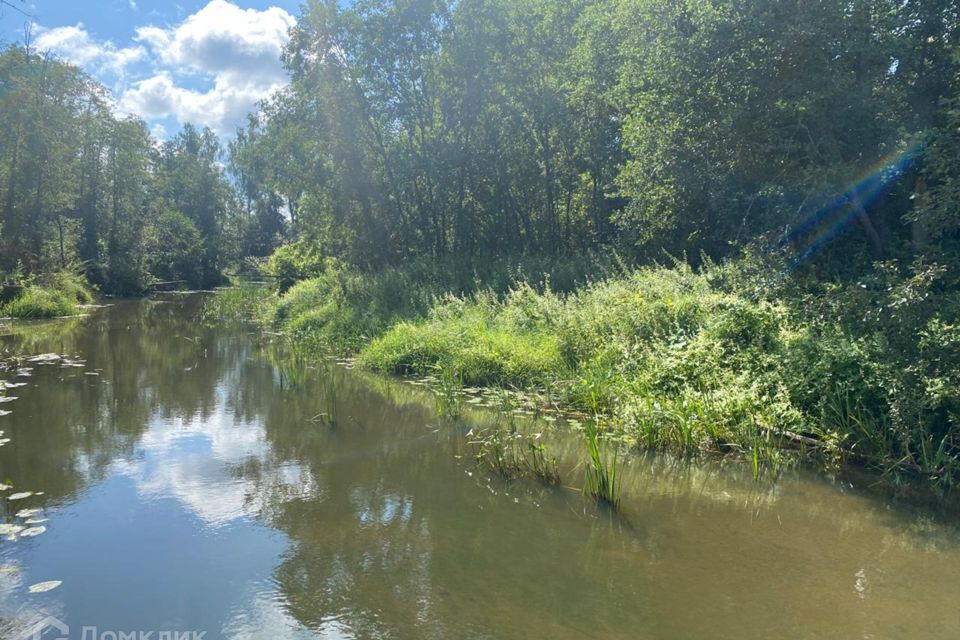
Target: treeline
(431, 127)
(87, 191)
(477, 128)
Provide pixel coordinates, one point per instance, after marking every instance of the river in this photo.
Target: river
(189, 477)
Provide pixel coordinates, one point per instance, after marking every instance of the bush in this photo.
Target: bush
(72, 285)
(36, 302)
(175, 249)
(686, 360)
(294, 262)
(483, 348)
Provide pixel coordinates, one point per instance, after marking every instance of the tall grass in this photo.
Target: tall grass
(50, 295)
(709, 362)
(34, 302)
(448, 390)
(328, 384)
(244, 301)
(513, 454)
(602, 477)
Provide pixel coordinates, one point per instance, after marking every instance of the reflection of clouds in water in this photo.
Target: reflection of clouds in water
(381, 510)
(15, 615)
(219, 468)
(263, 616)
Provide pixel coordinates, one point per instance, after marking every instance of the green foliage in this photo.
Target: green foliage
(250, 302)
(449, 390)
(345, 308)
(293, 262)
(176, 249)
(70, 284)
(50, 295)
(36, 302)
(487, 350)
(513, 454)
(80, 185)
(602, 475)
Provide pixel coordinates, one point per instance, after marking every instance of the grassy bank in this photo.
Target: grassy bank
(47, 296)
(717, 360)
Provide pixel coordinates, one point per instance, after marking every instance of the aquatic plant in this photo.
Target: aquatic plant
(247, 301)
(328, 382)
(602, 478)
(512, 454)
(449, 390)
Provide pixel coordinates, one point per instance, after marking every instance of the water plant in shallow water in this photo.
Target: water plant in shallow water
(602, 477)
(511, 454)
(449, 390)
(329, 384)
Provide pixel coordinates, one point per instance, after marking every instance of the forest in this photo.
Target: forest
(728, 225)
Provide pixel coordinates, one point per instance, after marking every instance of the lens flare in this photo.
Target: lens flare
(816, 235)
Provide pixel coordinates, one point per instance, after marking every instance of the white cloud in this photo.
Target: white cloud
(222, 37)
(238, 50)
(158, 131)
(221, 108)
(75, 45)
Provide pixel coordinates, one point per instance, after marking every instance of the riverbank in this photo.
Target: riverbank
(45, 296)
(722, 360)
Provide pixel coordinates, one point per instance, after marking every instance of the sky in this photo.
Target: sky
(202, 61)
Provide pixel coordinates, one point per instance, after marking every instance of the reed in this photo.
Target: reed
(602, 477)
(511, 455)
(449, 390)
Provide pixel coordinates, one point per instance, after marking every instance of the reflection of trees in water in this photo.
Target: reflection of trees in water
(398, 543)
(389, 543)
(389, 537)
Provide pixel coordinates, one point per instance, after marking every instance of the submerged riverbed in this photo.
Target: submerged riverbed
(193, 478)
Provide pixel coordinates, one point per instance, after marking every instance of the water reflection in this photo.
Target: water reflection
(193, 485)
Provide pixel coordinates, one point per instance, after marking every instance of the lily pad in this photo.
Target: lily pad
(43, 587)
(28, 513)
(5, 413)
(45, 358)
(6, 487)
(33, 521)
(10, 529)
(7, 398)
(20, 496)
(32, 531)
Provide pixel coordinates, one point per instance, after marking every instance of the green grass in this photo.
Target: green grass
(449, 390)
(50, 295)
(698, 363)
(602, 476)
(244, 301)
(35, 302)
(512, 454)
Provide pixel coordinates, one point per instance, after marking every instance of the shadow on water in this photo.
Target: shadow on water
(201, 477)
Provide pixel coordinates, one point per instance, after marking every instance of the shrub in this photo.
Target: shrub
(36, 302)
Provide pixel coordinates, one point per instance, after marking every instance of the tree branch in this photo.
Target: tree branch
(6, 3)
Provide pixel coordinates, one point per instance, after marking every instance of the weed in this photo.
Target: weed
(602, 477)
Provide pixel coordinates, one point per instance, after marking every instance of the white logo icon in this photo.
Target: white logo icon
(47, 629)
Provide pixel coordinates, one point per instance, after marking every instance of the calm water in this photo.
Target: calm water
(185, 487)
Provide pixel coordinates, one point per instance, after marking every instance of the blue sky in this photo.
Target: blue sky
(202, 61)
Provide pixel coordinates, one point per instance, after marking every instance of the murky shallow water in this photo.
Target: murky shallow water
(185, 487)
